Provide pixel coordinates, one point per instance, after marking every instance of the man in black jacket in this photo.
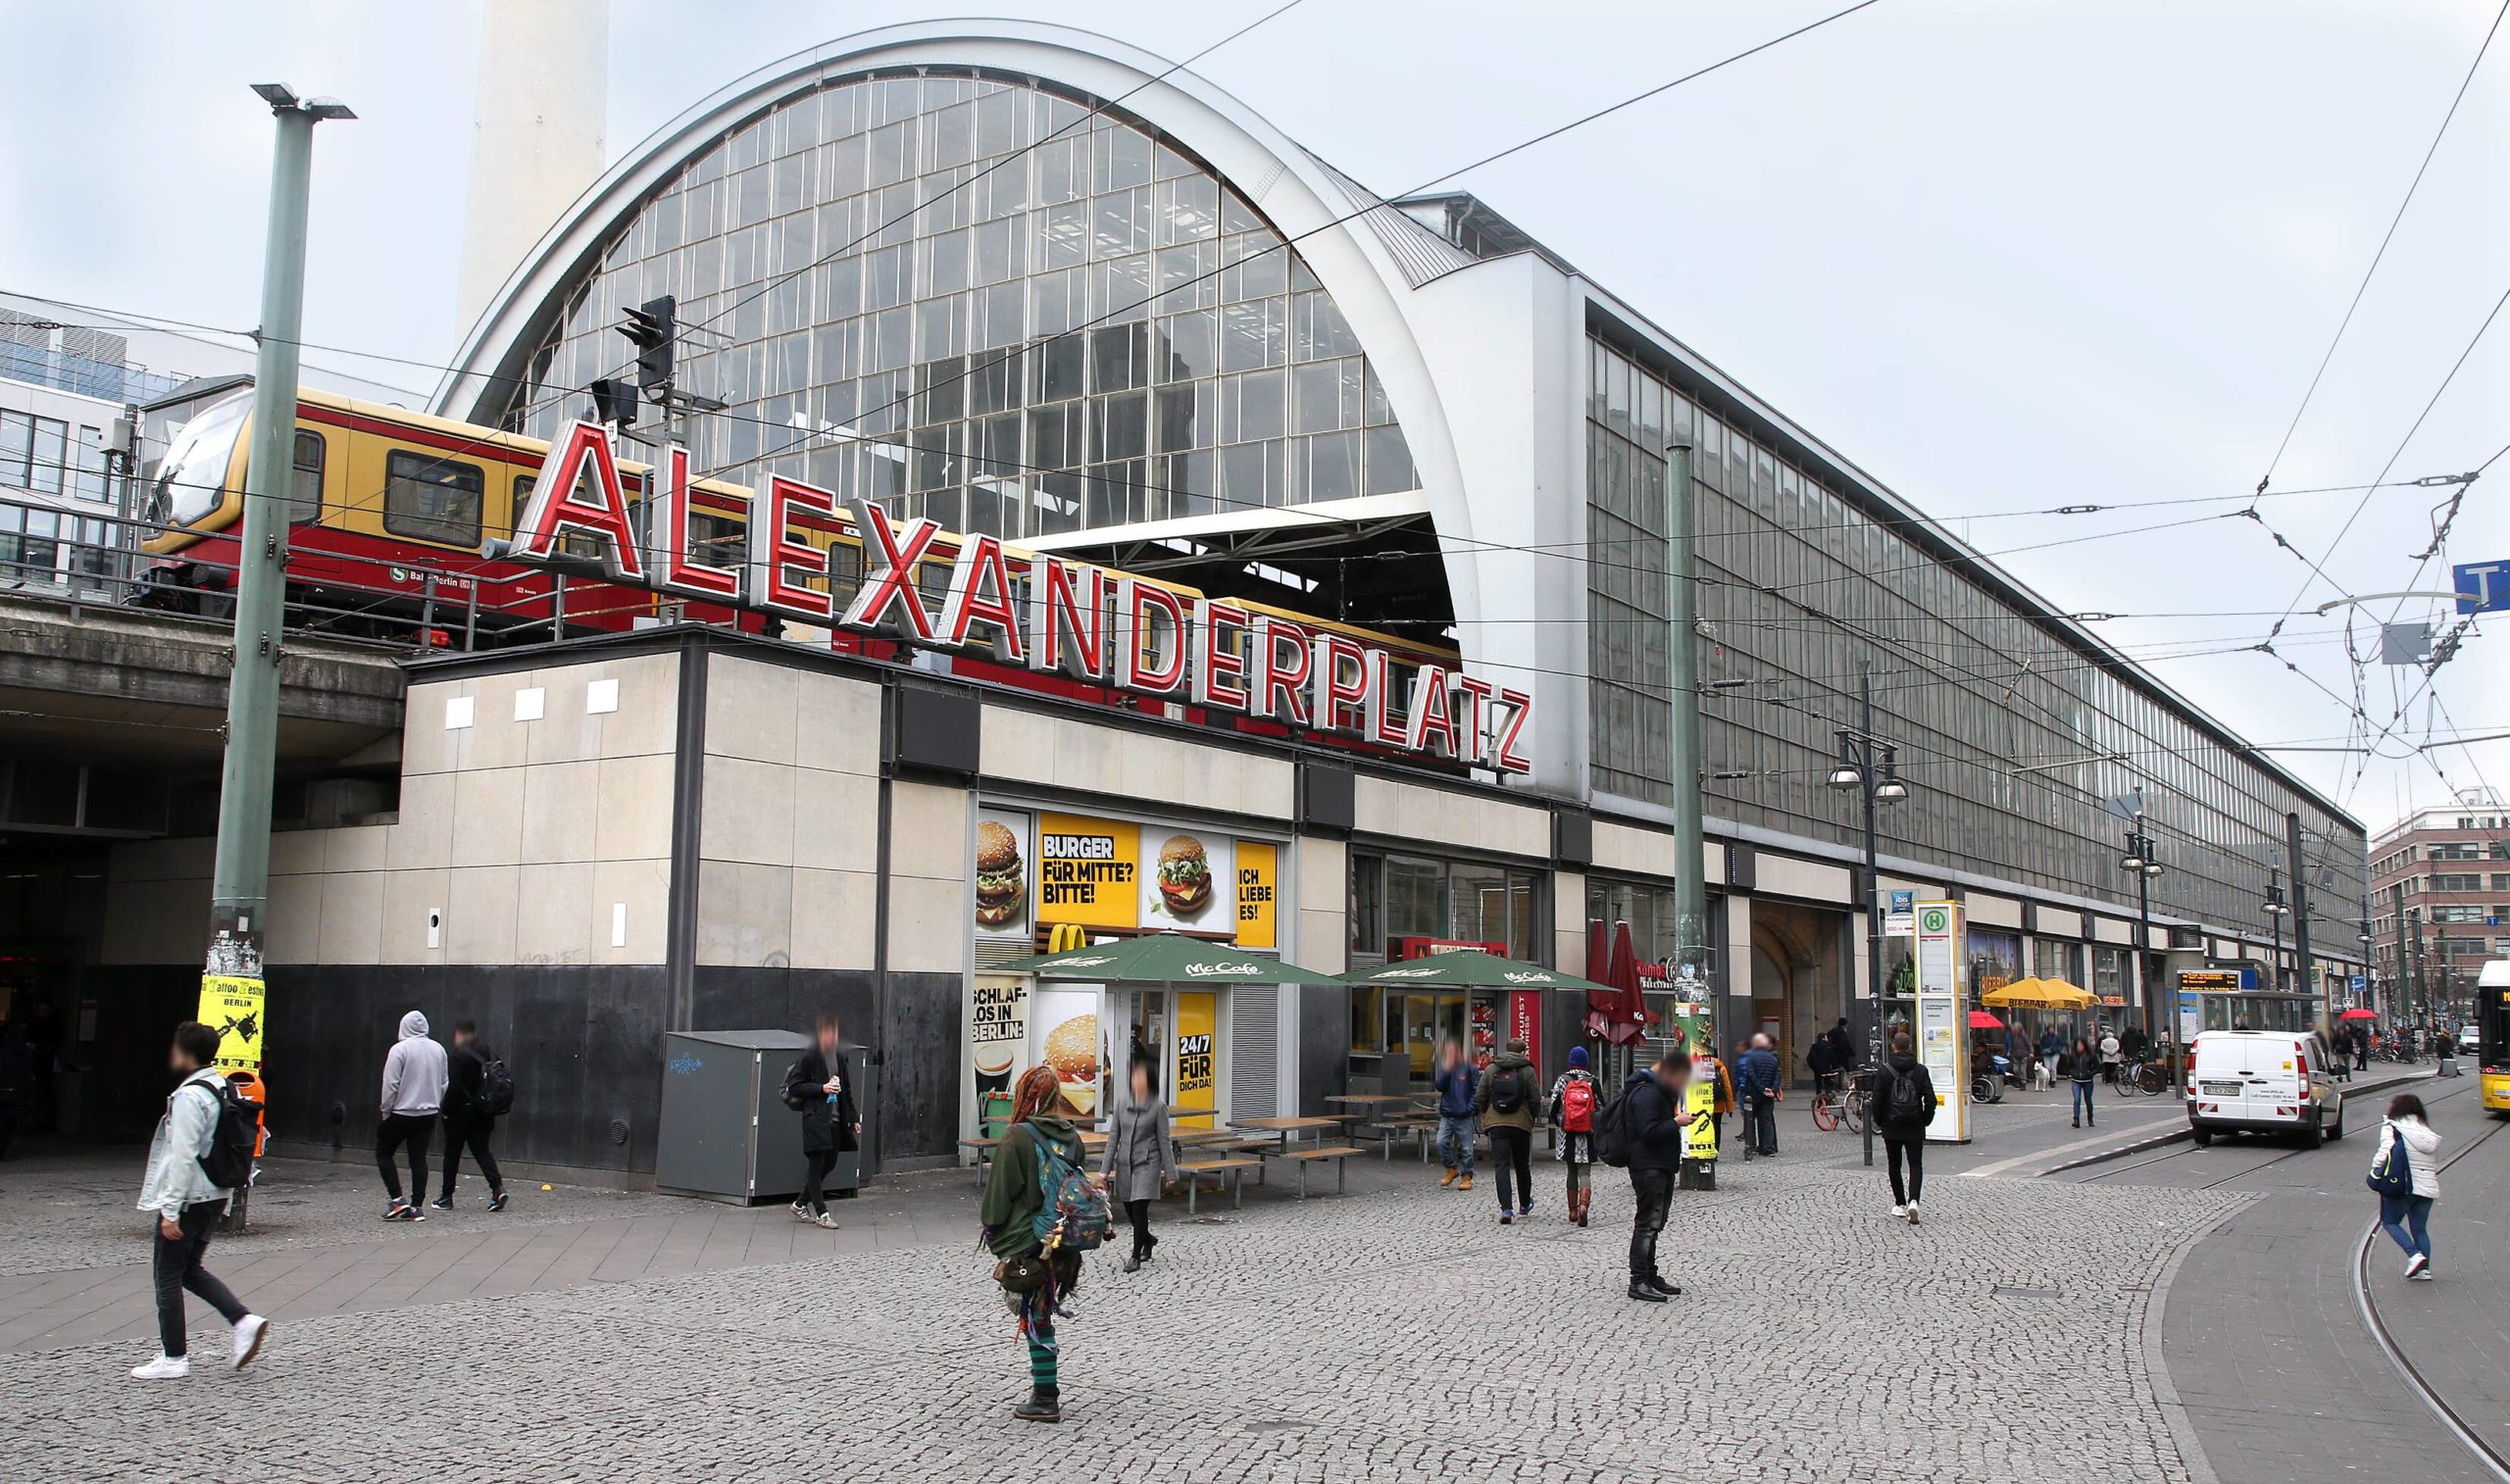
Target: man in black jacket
(824, 1086)
(1653, 1110)
(1902, 1099)
(469, 1120)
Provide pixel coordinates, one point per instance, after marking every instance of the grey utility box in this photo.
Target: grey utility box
(725, 1132)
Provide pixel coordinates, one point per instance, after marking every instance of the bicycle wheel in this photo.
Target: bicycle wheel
(1852, 1112)
(1825, 1114)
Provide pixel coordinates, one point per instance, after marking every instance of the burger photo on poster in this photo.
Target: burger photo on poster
(1072, 1050)
(1184, 875)
(1002, 877)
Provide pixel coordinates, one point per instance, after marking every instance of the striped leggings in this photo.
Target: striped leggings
(1041, 1347)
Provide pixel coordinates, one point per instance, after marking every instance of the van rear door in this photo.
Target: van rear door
(2275, 1079)
(2222, 1073)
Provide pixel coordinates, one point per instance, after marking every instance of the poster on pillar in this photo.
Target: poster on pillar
(233, 1006)
(1064, 1027)
(997, 1049)
(1942, 1045)
(1258, 907)
(1197, 1077)
(1525, 1022)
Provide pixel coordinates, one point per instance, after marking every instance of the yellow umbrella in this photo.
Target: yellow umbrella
(2038, 994)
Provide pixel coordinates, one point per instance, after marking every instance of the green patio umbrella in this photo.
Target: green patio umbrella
(1472, 969)
(1164, 959)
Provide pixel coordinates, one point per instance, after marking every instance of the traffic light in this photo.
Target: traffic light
(652, 327)
(613, 402)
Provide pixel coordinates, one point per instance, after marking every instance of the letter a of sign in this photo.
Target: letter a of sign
(555, 508)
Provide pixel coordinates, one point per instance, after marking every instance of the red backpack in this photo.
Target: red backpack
(1578, 1106)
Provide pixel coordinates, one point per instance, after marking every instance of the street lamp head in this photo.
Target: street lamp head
(1888, 789)
(2152, 867)
(327, 110)
(1844, 773)
(283, 99)
(276, 95)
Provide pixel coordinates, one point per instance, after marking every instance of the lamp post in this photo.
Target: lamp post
(2277, 910)
(1871, 766)
(2142, 863)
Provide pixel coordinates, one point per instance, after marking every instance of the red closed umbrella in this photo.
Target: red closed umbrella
(1628, 1013)
(1598, 967)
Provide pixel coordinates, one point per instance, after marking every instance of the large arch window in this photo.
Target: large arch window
(1094, 332)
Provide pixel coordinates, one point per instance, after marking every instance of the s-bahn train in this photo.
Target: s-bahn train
(397, 519)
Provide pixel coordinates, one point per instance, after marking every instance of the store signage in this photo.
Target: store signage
(1525, 1022)
(1197, 1061)
(1089, 870)
(1940, 1044)
(1258, 881)
(1421, 948)
(1040, 611)
(1900, 921)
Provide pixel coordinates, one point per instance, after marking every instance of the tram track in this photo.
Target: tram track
(2459, 1426)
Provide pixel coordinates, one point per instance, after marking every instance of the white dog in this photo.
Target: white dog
(2042, 1075)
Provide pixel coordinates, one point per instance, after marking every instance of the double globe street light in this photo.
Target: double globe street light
(1869, 765)
(2277, 910)
(2142, 863)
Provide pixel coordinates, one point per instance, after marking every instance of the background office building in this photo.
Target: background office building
(2440, 902)
(937, 267)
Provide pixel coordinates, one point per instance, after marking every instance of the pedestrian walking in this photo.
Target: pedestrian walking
(1505, 1102)
(414, 1078)
(1570, 1107)
(2361, 1048)
(1034, 1275)
(1651, 1107)
(1903, 1097)
(2051, 1047)
(1842, 1049)
(1757, 1076)
(820, 1088)
(1818, 1061)
(2405, 1213)
(471, 1099)
(2109, 1056)
(1139, 1163)
(2081, 1066)
(179, 1192)
(1459, 1083)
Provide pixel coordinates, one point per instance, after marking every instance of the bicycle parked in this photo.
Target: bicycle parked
(1845, 1109)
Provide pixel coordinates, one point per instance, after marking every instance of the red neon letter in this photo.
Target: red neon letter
(1432, 721)
(981, 593)
(1068, 618)
(1220, 679)
(682, 571)
(1385, 727)
(1339, 679)
(1279, 691)
(554, 508)
(1150, 653)
(773, 551)
(1517, 706)
(1473, 722)
(889, 577)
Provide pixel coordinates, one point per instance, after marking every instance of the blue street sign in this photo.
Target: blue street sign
(2482, 586)
(2356, 983)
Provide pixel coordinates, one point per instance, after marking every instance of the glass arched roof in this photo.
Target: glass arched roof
(898, 297)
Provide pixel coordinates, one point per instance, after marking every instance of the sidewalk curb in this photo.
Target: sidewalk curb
(2184, 1134)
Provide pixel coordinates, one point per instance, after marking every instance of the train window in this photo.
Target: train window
(305, 501)
(718, 540)
(426, 498)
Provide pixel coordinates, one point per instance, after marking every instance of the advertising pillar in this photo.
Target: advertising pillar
(1941, 1046)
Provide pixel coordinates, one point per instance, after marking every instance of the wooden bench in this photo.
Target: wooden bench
(1231, 1170)
(1419, 1128)
(1307, 1155)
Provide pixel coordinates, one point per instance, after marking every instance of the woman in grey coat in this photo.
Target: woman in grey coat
(1140, 1162)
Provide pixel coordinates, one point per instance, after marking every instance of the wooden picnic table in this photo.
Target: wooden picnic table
(1297, 1150)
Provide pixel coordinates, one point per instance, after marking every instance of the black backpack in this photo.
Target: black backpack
(1508, 1090)
(495, 1096)
(1612, 1129)
(1906, 1103)
(794, 1097)
(228, 1161)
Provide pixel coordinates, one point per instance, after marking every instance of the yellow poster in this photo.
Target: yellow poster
(1197, 1053)
(1699, 1099)
(233, 1008)
(1257, 876)
(1088, 871)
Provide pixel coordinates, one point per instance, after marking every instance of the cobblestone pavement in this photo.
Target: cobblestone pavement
(1395, 1334)
(75, 1209)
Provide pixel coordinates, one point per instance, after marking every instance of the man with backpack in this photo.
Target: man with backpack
(1458, 1081)
(1506, 1105)
(203, 1153)
(1573, 1116)
(478, 1091)
(1902, 1093)
(414, 1076)
(1641, 1131)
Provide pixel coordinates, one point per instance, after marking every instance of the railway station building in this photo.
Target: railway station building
(942, 269)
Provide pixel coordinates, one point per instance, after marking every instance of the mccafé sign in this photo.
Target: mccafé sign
(1067, 617)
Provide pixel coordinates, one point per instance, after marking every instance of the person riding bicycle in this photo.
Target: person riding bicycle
(1821, 1061)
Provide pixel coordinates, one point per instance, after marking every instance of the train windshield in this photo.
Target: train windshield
(2492, 1017)
(192, 482)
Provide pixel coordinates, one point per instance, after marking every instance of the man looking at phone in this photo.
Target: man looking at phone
(1654, 1109)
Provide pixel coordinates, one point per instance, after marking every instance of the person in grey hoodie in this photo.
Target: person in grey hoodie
(414, 1078)
(177, 1192)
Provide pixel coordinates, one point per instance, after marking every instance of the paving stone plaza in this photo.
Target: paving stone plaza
(1398, 1333)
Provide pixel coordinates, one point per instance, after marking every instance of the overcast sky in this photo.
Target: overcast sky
(2007, 255)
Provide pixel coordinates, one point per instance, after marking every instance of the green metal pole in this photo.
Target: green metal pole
(1691, 846)
(240, 891)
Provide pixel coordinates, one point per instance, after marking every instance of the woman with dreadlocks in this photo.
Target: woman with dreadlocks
(1032, 1278)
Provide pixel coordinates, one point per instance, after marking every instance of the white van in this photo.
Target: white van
(2263, 1082)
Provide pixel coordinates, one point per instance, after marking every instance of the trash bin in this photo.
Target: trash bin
(726, 1133)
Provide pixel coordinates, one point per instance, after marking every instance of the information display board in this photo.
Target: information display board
(1940, 1045)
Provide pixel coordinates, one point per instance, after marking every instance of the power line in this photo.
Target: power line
(2385, 240)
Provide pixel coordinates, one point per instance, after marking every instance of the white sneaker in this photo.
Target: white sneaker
(250, 1331)
(1913, 1213)
(164, 1368)
(1899, 1212)
(2414, 1264)
(2424, 1276)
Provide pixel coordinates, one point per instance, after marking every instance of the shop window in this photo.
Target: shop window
(1367, 907)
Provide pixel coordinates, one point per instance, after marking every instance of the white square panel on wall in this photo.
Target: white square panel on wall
(457, 712)
(601, 696)
(529, 702)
